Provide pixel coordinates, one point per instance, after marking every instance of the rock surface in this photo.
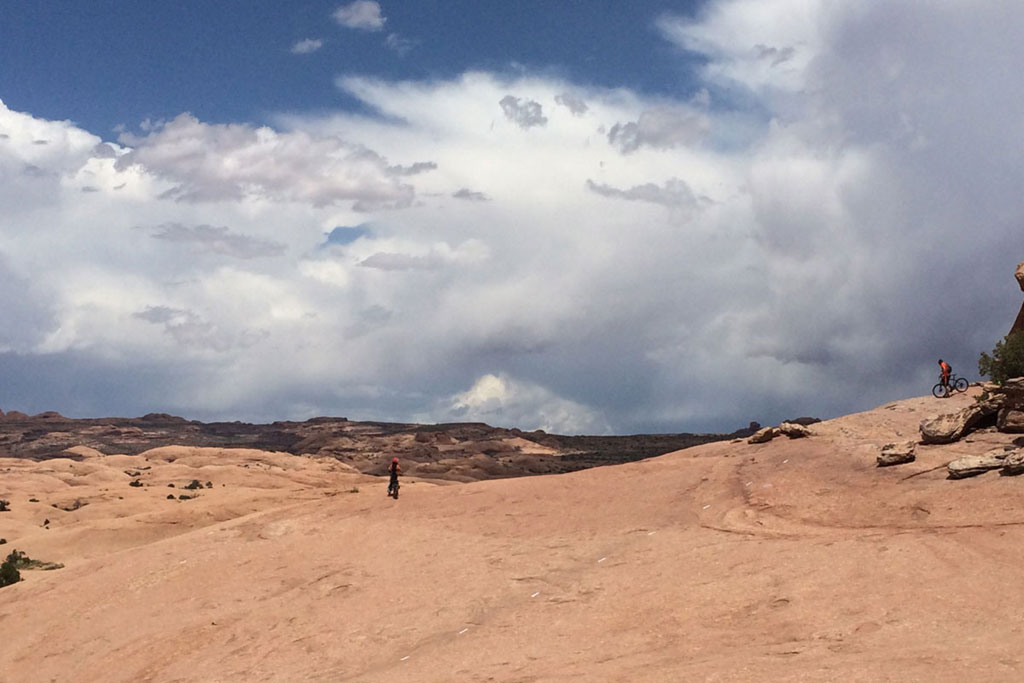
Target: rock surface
(725, 562)
(897, 454)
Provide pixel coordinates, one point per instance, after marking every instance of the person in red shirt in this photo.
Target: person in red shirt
(946, 370)
(393, 469)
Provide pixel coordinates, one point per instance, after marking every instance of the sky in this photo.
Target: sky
(584, 217)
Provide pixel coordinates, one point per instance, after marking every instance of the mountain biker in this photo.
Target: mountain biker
(946, 370)
(393, 469)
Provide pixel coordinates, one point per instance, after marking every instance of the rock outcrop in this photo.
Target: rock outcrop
(794, 430)
(764, 435)
(1018, 324)
(897, 453)
(973, 465)
(1010, 420)
(1013, 464)
(951, 426)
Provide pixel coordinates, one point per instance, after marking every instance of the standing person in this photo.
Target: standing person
(946, 370)
(393, 469)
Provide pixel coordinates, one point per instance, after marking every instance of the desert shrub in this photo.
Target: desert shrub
(1006, 361)
(135, 482)
(19, 560)
(3, 541)
(5, 505)
(9, 574)
(193, 485)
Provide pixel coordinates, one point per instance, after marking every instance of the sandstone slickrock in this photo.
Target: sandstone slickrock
(973, 465)
(794, 430)
(897, 453)
(764, 435)
(949, 427)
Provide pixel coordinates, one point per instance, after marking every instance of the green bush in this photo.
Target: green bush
(1006, 361)
(8, 573)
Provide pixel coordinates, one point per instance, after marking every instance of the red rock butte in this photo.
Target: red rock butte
(1018, 324)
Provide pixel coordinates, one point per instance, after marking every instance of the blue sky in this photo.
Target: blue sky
(106, 63)
(584, 217)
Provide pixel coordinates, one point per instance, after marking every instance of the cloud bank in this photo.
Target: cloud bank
(833, 210)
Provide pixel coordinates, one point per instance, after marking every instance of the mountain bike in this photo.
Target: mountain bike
(941, 390)
(393, 489)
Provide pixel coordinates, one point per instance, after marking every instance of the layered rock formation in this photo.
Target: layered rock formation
(458, 451)
(1018, 324)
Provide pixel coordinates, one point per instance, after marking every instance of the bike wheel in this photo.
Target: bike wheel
(940, 391)
(961, 384)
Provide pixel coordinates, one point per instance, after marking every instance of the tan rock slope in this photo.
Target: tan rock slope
(793, 560)
(1018, 324)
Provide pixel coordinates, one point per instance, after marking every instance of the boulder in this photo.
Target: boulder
(973, 465)
(951, 426)
(794, 430)
(764, 435)
(897, 453)
(1012, 393)
(1010, 420)
(1013, 464)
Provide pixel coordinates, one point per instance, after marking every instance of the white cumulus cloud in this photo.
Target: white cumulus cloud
(764, 246)
(361, 14)
(305, 47)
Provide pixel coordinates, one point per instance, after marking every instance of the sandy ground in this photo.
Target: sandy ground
(795, 560)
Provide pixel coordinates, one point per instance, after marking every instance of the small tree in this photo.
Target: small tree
(1007, 359)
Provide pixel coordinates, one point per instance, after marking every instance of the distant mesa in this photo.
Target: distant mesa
(16, 415)
(162, 417)
(1018, 324)
(49, 415)
(805, 421)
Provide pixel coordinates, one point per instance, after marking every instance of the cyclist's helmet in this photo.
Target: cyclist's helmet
(394, 460)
